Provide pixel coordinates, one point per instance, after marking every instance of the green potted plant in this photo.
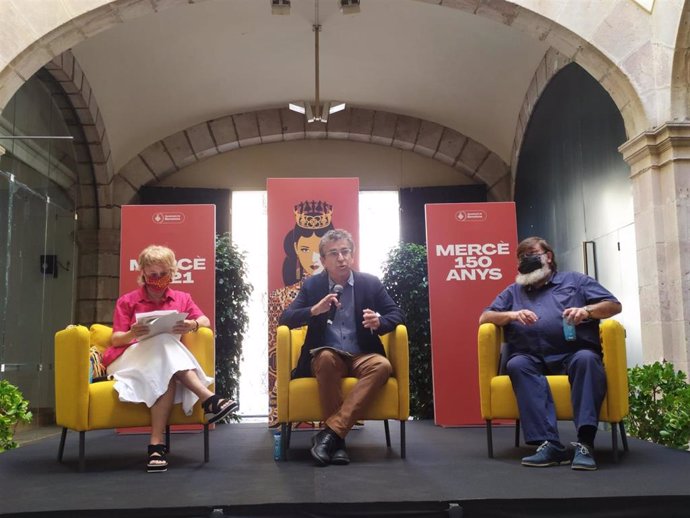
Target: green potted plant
(14, 409)
(406, 280)
(659, 405)
(232, 297)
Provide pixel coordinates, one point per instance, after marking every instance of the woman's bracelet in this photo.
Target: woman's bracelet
(197, 326)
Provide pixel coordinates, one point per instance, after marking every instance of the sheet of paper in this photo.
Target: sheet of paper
(159, 322)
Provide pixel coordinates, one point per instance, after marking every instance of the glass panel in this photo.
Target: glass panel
(37, 239)
(36, 297)
(4, 250)
(25, 286)
(34, 111)
(59, 287)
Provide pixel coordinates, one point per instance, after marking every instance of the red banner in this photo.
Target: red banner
(190, 231)
(471, 258)
(300, 212)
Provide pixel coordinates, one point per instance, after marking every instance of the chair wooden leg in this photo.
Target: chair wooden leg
(402, 439)
(82, 460)
(517, 433)
(61, 448)
(284, 440)
(388, 433)
(206, 445)
(489, 439)
(624, 437)
(167, 437)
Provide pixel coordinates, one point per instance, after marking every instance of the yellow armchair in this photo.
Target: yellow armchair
(498, 400)
(298, 399)
(82, 406)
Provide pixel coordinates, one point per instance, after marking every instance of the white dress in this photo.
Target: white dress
(142, 373)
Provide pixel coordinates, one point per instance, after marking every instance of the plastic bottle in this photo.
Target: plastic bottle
(569, 330)
(277, 446)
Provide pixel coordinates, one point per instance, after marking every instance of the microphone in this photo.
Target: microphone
(338, 290)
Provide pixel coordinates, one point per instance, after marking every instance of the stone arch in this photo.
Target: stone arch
(566, 46)
(552, 63)
(167, 156)
(91, 192)
(680, 79)
(94, 164)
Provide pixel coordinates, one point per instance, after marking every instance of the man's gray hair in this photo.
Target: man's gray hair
(335, 235)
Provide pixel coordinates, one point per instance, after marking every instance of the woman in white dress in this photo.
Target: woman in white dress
(159, 370)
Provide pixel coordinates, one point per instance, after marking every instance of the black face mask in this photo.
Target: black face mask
(529, 264)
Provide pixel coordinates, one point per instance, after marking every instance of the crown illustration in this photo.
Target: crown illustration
(313, 214)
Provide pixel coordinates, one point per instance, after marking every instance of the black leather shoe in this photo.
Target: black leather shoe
(324, 445)
(340, 456)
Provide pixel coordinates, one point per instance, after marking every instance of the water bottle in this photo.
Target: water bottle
(569, 330)
(277, 446)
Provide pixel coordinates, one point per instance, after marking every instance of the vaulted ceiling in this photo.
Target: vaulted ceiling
(160, 73)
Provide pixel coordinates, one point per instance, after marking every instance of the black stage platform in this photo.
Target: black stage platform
(446, 473)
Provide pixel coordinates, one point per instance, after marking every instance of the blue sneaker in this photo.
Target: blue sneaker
(548, 454)
(583, 459)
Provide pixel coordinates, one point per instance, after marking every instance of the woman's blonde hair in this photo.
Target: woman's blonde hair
(156, 255)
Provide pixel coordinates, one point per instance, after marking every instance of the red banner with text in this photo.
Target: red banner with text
(300, 211)
(471, 258)
(190, 231)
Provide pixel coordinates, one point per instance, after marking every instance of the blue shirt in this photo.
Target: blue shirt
(545, 337)
(342, 333)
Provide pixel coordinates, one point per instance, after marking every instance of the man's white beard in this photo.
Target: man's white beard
(528, 279)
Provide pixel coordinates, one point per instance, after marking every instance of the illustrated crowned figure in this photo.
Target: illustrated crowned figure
(301, 245)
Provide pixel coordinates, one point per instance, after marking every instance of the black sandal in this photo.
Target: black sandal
(216, 408)
(157, 461)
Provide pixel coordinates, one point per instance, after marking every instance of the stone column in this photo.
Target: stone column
(98, 275)
(660, 172)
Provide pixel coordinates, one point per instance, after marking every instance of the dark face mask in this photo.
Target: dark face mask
(529, 263)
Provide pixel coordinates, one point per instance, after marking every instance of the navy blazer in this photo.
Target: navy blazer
(369, 294)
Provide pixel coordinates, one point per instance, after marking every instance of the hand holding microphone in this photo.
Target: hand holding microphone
(338, 291)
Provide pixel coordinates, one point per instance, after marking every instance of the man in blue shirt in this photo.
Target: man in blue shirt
(532, 311)
(342, 340)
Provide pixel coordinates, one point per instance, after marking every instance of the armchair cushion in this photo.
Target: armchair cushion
(100, 337)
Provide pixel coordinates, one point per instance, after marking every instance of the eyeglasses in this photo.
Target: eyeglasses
(345, 252)
(533, 254)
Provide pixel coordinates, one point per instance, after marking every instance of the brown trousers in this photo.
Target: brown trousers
(373, 370)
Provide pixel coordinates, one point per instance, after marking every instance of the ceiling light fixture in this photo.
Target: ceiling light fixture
(318, 112)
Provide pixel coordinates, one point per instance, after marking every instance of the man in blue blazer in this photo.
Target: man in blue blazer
(346, 311)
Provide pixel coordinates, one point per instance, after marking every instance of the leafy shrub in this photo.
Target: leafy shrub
(406, 280)
(659, 405)
(13, 409)
(232, 297)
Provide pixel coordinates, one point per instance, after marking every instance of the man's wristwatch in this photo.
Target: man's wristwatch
(588, 309)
